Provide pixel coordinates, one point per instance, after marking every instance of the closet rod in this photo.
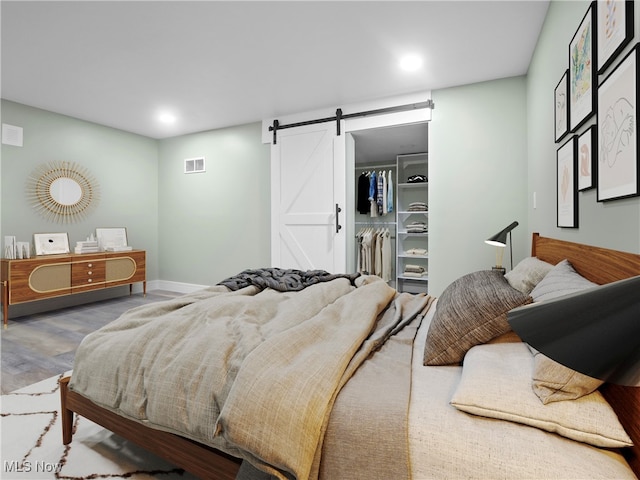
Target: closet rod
(340, 116)
(375, 167)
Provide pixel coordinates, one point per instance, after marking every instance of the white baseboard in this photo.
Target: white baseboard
(170, 286)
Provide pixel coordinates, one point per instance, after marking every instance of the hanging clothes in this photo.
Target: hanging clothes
(363, 204)
(386, 255)
(373, 194)
(385, 208)
(389, 193)
(374, 252)
(380, 193)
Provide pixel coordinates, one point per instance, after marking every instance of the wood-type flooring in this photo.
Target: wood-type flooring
(39, 346)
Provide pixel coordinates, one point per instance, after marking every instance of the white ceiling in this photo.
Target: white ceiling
(216, 64)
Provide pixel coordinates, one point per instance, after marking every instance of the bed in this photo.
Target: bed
(434, 429)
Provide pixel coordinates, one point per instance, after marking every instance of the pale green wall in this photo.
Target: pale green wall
(477, 176)
(214, 224)
(491, 147)
(124, 165)
(614, 224)
(200, 229)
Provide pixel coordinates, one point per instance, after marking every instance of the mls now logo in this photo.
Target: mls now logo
(27, 466)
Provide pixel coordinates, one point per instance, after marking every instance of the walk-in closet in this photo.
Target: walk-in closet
(391, 205)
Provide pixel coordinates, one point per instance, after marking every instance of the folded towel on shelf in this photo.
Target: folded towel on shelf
(418, 207)
(414, 274)
(414, 269)
(416, 251)
(417, 227)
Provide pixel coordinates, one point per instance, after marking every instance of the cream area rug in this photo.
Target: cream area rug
(32, 443)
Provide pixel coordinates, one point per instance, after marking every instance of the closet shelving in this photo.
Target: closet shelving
(412, 220)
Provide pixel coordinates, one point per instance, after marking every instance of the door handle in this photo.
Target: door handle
(338, 226)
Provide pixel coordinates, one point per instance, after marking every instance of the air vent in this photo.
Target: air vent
(194, 165)
(11, 135)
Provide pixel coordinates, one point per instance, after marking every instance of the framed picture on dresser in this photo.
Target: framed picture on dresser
(51, 243)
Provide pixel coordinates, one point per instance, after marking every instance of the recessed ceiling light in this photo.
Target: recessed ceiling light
(167, 117)
(411, 63)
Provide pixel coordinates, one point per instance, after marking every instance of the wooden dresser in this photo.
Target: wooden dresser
(49, 276)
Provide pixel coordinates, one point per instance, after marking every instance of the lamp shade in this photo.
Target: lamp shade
(500, 238)
(595, 331)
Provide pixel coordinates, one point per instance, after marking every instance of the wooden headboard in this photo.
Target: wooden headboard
(602, 265)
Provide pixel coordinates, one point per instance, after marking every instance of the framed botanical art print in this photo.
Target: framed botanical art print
(587, 160)
(582, 79)
(567, 192)
(615, 29)
(561, 108)
(618, 130)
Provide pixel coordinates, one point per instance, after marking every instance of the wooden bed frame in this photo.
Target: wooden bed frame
(599, 265)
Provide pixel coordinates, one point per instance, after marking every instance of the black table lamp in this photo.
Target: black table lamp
(499, 240)
(595, 332)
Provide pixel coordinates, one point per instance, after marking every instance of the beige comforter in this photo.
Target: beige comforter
(253, 373)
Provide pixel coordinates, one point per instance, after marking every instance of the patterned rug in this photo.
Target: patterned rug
(32, 443)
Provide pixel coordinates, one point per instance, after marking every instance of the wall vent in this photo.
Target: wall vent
(194, 165)
(11, 135)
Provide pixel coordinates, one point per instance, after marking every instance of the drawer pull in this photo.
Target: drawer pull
(90, 265)
(90, 280)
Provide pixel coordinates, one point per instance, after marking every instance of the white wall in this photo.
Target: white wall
(477, 177)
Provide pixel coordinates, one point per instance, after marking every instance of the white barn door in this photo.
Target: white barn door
(308, 187)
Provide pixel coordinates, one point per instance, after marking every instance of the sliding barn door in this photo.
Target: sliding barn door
(308, 190)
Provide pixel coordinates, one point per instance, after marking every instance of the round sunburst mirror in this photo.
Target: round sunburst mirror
(62, 191)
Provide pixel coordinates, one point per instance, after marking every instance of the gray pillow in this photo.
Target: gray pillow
(561, 280)
(527, 274)
(471, 311)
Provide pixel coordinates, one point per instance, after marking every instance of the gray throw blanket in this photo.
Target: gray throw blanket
(282, 280)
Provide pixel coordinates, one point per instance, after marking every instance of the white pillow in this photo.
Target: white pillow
(496, 383)
(527, 274)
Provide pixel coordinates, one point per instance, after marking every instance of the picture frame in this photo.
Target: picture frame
(111, 238)
(10, 247)
(618, 164)
(615, 30)
(51, 243)
(582, 77)
(587, 158)
(561, 107)
(566, 184)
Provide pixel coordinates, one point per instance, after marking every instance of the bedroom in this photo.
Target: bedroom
(508, 157)
(143, 191)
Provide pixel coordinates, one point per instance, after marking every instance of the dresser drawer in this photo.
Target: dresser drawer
(88, 273)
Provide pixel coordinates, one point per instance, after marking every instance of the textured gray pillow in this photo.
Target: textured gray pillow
(561, 280)
(527, 274)
(471, 311)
